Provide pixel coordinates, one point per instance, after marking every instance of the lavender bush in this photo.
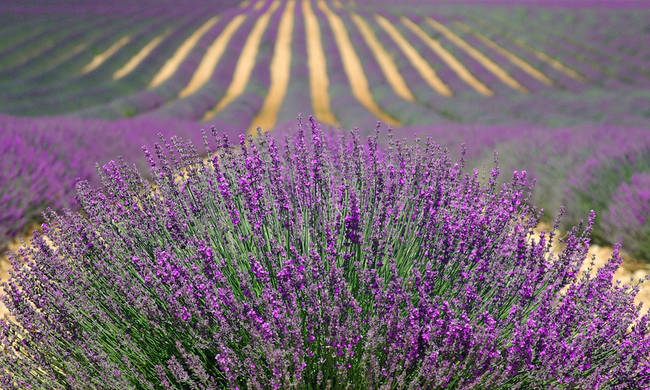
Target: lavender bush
(318, 262)
(628, 215)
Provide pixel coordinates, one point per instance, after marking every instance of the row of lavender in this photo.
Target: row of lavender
(583, 168)
(43, 158)
(592, 76)
(314, 262)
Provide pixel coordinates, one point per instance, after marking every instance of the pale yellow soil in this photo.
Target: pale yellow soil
(139, 57)
(212, 56)
(317, 63)
(419, 63)
(490, 65)
(352, 66)
(172, 64)
(245, 63)
(280, 70)
(449, 58)
(106, 54)
(516, 60)
(385, 60)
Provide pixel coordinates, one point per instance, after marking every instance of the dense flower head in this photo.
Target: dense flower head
(320, 261)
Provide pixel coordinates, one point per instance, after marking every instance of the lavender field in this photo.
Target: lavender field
(325, 194)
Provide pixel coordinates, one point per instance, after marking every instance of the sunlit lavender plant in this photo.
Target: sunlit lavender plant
(318, 262)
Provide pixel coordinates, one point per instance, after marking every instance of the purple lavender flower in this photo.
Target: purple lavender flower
(350, 265)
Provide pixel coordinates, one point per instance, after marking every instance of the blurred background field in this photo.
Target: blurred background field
(560, 88)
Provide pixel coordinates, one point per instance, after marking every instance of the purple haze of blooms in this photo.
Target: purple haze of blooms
(628, 217)
(322, 261)
(42, 158)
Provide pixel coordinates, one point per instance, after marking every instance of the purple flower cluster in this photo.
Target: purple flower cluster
(319, 262)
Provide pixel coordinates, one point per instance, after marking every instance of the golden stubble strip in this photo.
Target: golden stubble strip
(317, 64)
(246, 62)
(280, 70)
(172, 64)
(449, 58)
(386, 63)
(490, 65)
(212, 56)
(419, 63)
(139, 57)
(106, 54)
(352, 66)
(244, 3)
(523, 65)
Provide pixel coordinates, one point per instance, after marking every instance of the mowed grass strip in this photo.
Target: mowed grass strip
(170, 67)
(490, 65)
(419, 63)
(134, 61)
(245, 63)
(384, 59)
(317, 64)
(352, 66)
(516, 60)
(280, 70)
(106, 54)
(212, 56)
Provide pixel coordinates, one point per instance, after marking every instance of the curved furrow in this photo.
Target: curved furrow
(134, 61)
(99, 88)
(249, 102)
(451, 61)
(170, 67)
(516, 60)
(573, 60)
(490, 65)
(31, 49)
(384, 59)
(100, 58)
(420, 63)
(280, 70)
(602, 54)
(405, 111)
(141, 33)
(246, 62)
(193, 106)
(297, 100)
(317, 62)
(13, 78)
(16, 33)
(530, 83)
(212, 56)
(68, 77)
(551, 61)
(128, 97)
(352, 66)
